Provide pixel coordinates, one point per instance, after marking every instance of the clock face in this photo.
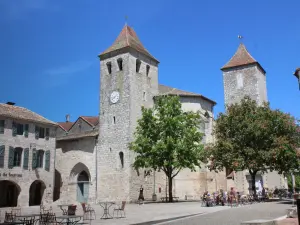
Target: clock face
(114, 97)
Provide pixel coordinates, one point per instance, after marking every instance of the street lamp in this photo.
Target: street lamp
(297, 75)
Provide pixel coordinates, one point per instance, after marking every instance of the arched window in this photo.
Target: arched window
(121, 155)
(120, 64)
(138, 65)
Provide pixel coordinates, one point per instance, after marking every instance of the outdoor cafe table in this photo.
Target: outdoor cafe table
(106, 206)
(69, 219)
(20, 217)
(65, 211)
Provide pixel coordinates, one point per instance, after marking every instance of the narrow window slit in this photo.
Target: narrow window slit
(138, 65)
(120, 64)
(109, 67)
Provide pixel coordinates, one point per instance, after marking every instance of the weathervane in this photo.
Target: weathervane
(240, 37)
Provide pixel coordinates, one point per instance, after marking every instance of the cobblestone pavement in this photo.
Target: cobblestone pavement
(235, 216)
(167, 213)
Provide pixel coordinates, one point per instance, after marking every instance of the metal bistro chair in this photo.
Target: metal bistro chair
(120, 209)
(88, 212)
(9, 217)
(72, 210)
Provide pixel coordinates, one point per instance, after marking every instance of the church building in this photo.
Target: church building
(93, 161)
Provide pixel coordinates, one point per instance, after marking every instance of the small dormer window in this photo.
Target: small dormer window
(108, 67)
(147, 70)
(120, 64)
(138, 65)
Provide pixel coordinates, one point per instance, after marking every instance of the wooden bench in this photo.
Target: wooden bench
(164, 199)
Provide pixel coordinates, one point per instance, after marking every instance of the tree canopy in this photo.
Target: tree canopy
(254, 138)
(168, 139)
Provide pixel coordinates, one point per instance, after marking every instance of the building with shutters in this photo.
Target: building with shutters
(27, 155)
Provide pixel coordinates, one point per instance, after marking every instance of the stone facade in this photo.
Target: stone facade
(27, 183)
(76, 155)
(245, 80)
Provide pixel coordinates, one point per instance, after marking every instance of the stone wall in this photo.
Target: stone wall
(80, 126)
(246, 80)
(23, 178)
(136, 89)
(73, 157)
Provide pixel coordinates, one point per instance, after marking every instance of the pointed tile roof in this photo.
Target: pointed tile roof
(65, 125)
(127, 38)
(241, 58)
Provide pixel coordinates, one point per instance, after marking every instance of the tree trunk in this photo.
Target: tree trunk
(253, 175)
(170, 179)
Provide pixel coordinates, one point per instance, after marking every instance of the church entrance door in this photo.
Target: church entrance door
(83, 187)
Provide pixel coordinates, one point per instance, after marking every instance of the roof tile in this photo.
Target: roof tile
(92, 120)
(128, 38)
(65, 125)
(165, 90)
(241, 58)
(17, 112)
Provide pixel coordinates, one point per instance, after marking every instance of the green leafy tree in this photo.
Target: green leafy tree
(167, 139)
(254, 138)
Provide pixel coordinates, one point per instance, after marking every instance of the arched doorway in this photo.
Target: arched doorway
(83, 187)
(9, 193)
(80, 178)
(36, 192)
(57, 185)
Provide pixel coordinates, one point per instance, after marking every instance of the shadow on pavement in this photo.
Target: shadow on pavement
(165, 220)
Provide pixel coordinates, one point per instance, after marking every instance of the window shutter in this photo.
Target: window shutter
(37, 132)
(34, 158)
(2, 123)
(2, 153)
(11, 157)
(26, 130)
(14, 129)
(47, 133)
(47, 161)
(26, 156)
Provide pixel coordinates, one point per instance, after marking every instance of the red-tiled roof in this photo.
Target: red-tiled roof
(241, 58)
(91, 133)
(17, 112)
(128, 38)
(92, 120)
(165, 90)
(65, 125)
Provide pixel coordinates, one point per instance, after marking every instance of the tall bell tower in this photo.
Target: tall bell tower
(243, 75)
(128, 80)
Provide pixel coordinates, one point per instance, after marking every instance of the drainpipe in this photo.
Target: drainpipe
(54, 167)
(96, 162)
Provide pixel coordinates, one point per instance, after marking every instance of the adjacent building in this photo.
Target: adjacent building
(27, 157)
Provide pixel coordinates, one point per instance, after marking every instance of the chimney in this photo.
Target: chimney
(68, 118)
(10, 103)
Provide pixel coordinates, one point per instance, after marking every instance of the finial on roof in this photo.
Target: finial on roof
(240, 37)
(126, 18)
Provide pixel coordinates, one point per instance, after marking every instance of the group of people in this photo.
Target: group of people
(222, 197)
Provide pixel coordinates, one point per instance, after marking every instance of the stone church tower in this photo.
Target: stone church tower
(129, 80)
(243, 75)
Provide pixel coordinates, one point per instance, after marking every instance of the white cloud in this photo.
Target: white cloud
(16, 9)
(60, 75)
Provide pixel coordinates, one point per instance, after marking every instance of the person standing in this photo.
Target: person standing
(141, 195)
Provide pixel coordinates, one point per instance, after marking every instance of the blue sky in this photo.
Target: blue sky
(49, 49)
